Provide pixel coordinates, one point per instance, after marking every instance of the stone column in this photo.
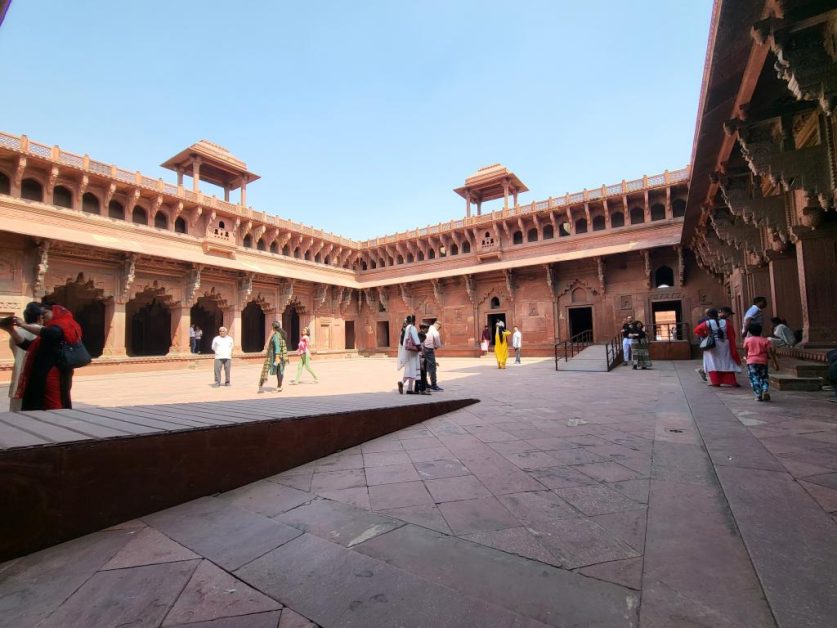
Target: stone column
(784, 290)
(505, 194)
(467, 204)
(181, 318)
(243, 192)
(196, 174)
(817, 286)
(227, 193)
(179, 178)
(116, 330)
(232, 319)
(514, 193)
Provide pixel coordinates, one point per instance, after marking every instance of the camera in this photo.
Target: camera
(7, 322)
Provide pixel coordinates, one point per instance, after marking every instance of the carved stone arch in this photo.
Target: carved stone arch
(88, 303)
(216, 296)
(578, 283)
(154, 290)
(501, 293)
(264, 303)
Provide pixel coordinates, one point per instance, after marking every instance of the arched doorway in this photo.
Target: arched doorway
(290, 323)
(148, 328)
(252, 328)
(207, 314)
(87, 303)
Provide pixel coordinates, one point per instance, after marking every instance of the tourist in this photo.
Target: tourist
(42, 385)
(198, 338)
(720, 362)
(222, 345)
(783, 335)
(408, 356)
(501, 344)
(754, 315)
(430, 344)
(303, 350)
(421, 384)
(517, 344)
(757, 351)
(640, 356)
(699, 370)
(831, 361)
(627, 329)
(276, 357)
(193, 341)
(32, 314)
(485, 340)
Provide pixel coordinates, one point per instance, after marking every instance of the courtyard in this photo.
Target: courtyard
(561, 499)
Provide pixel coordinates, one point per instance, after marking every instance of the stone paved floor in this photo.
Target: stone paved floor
(562, 499)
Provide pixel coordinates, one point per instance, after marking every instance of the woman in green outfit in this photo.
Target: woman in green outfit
(304, 354)
(276, 358)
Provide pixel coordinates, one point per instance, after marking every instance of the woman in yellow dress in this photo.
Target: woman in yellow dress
(501, 344)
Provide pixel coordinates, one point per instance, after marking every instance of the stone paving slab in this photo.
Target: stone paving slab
(447, 522)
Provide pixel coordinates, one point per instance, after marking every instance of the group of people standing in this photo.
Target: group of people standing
(39, 379)
(417, 357)
(720, 353)
(635, 344)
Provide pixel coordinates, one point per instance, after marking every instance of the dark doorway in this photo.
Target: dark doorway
(350, 334)
(492, 322)
(252, 328)
(581, 320)
(666, 316)
(208, 316)
(84, 300)
(149, 327)
(290, 323)
(382, 334)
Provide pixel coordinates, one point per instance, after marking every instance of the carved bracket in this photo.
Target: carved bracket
(41, 267)
(193, 284)
(129, 273)
(245, 288)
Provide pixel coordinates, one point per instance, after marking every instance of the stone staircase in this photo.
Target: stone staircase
(799, 375)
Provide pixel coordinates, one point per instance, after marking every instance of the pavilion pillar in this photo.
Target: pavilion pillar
(116, 329)
(785, 290)
(233, 315)
(479, 207)
(180, 321)
(179, 178)
(514, 192)
(468, 204)
(817, 286)
(227, 193)
(505, 194)
(243, 192)
(196, 174)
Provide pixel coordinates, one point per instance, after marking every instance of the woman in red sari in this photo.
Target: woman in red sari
(42, 385)
(721, 362)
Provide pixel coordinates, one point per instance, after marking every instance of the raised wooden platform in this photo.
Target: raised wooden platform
(65, 473)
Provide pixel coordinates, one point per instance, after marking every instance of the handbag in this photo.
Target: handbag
(73, 355)
(409, 343)
(708, 341)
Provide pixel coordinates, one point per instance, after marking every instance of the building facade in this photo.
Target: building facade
(139, 260)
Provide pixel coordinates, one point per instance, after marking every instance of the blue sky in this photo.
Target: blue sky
(362, 116)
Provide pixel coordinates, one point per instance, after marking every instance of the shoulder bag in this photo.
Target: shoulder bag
(409, 343)
(708, 341)
(72, 355)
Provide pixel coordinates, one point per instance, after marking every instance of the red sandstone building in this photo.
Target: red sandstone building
(138, 259)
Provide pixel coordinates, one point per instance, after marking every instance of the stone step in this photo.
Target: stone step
(789, 382)
(807, 369)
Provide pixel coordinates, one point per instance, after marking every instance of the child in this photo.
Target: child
(757, 351)
(421, 385)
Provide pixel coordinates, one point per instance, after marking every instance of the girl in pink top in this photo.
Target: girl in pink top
(757, 352)
(304, 354)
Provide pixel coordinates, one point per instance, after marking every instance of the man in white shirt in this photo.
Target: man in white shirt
(754, 315)
(432, 342)
(222, 345)
(517, 344)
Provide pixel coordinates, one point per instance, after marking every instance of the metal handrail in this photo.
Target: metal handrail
(569, 346)
(613, 351)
